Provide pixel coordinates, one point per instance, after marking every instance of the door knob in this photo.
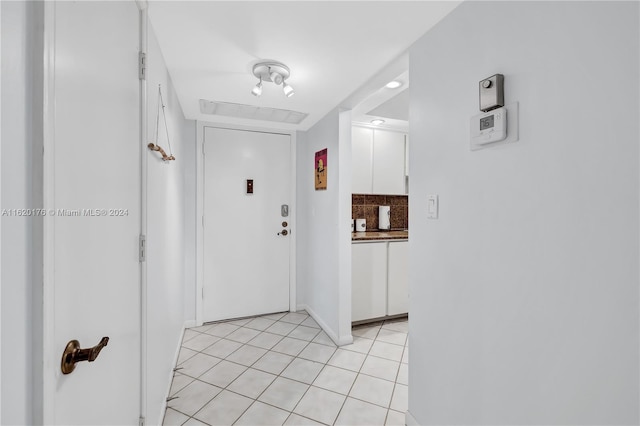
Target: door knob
(73, 354)
(284, 232)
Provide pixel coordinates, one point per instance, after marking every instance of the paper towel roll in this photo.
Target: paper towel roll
(361, 225)
(384, 218)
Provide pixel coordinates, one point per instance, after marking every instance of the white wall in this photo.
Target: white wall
(324, 236)
(167, 240)
(524, 293)
(21, 152)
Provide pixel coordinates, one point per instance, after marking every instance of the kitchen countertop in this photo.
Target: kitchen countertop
(380, 235)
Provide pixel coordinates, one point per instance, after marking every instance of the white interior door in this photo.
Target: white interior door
(93, 184)
(246, 252)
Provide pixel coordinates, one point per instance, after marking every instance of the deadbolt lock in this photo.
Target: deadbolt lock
(284, 232)
(285, 224)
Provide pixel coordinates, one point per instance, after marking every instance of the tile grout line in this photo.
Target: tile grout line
(356, 379)
(293, 358)
(277, 376)
(309, 384)
(249, 367)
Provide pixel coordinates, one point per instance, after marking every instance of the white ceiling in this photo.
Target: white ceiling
(333, 48)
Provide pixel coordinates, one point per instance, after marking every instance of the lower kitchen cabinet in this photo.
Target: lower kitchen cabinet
(368, 280)
(398, 278)
(379, 279)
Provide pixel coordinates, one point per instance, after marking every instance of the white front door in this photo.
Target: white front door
(246, 252)
(92, 191)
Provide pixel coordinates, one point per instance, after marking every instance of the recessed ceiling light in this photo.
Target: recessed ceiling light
(377, 122)
(393, 84)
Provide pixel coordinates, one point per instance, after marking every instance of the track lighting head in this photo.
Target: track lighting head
(275, 72)
(257, 90)
(288, 90)
(276, 78)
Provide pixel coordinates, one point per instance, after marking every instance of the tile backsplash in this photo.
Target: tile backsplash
(366, 206)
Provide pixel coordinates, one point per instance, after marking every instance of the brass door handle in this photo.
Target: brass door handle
(73, 354)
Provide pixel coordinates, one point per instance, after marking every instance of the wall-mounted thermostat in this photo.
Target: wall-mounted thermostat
(489, 127)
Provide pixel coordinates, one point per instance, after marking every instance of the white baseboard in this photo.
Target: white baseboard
(338, 340)
(409, 420)
(163, 407)
(345, 340)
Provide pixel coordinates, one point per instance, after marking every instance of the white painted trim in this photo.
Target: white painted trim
(163, 406)
(338, 340)
(409, 420)
(0, 220)
(200, 126)
(344, 214)
(199, 218)
(143, 40)
(49, 372)
(373, 127)
(142, 4)
(293, 214)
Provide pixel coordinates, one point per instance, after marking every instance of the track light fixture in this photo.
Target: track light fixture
(257, 91)
(288, 90)
(274, 72)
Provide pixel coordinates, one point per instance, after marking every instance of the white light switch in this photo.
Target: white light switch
(432, 207)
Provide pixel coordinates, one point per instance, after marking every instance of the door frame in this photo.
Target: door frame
(0, 220)
(45, 399)
(48, 168)
(200, 130)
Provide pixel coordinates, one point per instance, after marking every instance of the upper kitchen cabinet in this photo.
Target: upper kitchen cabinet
(388, 162)
(379, 161)
(362, 154)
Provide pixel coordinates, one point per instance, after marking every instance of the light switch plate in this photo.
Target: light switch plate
(432, 207)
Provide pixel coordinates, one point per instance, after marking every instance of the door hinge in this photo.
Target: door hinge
(141, 421)
(142, 65)
(143, 248)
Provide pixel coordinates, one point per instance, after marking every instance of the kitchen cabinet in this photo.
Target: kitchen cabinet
(369, 280)
(388, 162)
(398, 278)
(379, 281)
(379, 161)
(361, 155)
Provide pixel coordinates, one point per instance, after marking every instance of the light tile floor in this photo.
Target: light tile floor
(282, 369)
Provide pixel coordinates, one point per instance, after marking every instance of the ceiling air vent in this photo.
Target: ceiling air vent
(251, 112)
